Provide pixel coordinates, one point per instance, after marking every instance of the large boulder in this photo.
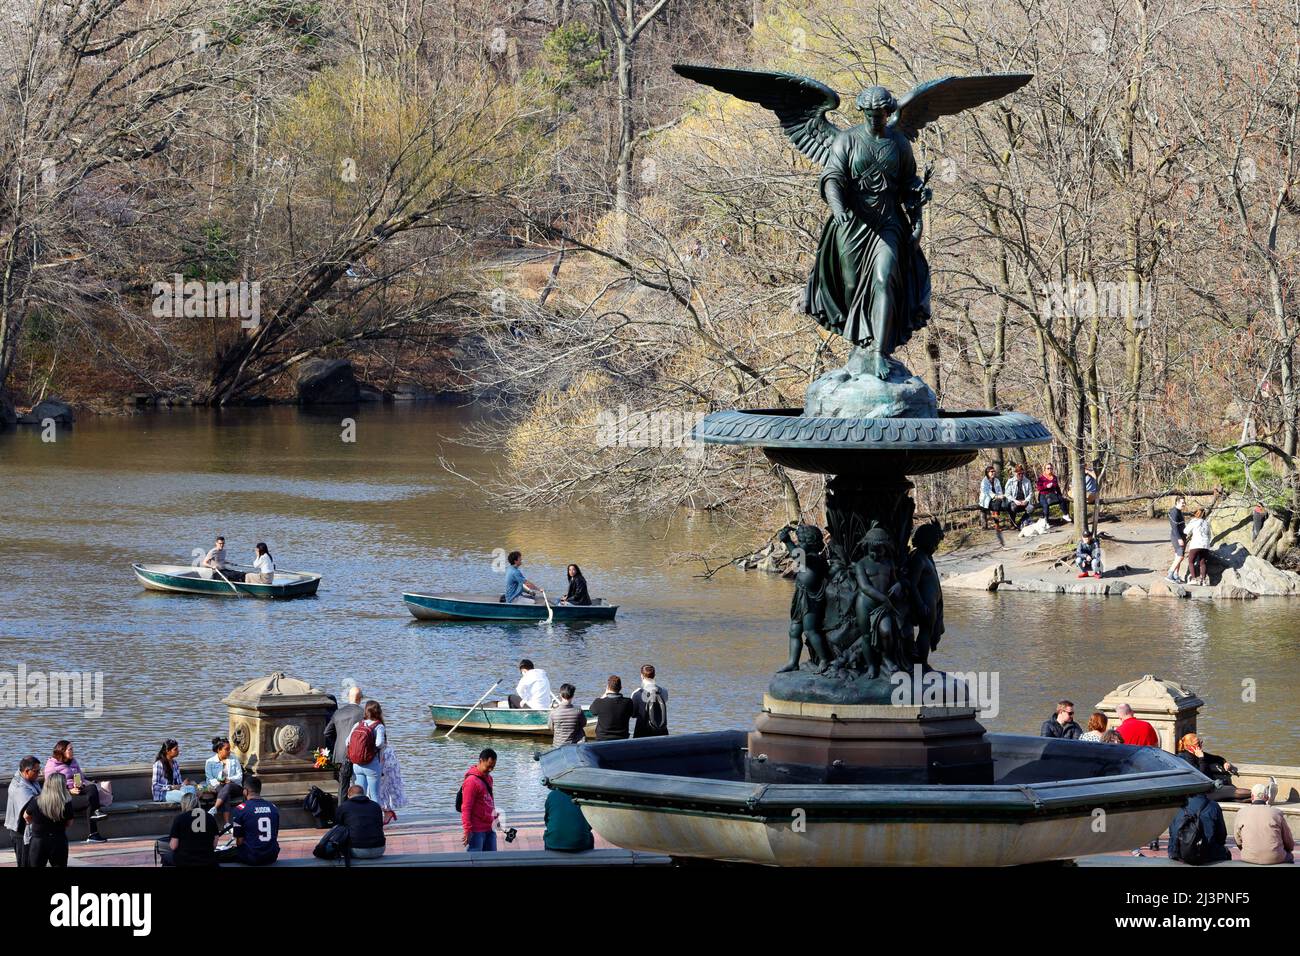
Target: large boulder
(987, 579)
(61, 412)
(1259, 577)
(1163, 587)
(328, 382)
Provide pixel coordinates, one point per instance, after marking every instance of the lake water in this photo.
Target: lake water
(380, 516)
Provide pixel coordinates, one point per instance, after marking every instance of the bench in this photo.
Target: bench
(609, 856)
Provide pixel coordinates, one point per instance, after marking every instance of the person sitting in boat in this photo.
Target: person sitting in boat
(533, 689)
(518, 586)
(264, 566)
(215, 560)
(577, 588)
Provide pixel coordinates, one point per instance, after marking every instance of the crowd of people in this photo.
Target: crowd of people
(1019, 496)
(1198, 833)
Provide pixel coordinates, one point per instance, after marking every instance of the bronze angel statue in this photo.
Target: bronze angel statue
(870, 282)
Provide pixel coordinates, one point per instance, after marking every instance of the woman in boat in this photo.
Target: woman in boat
(82, 793)
(167, 784)
(577, 588)
(225, 775)
(264, 566)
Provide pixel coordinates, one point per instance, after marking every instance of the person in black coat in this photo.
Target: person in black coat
(577, 588)
(1191, 748)
(1212, 826)
(337, 729)
(1061, 724)
(613, 711)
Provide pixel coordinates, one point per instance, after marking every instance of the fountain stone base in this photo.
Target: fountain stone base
(800, 742)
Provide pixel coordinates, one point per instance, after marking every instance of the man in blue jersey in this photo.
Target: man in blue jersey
(257, 829)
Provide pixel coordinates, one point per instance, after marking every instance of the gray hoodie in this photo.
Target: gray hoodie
(20, 793)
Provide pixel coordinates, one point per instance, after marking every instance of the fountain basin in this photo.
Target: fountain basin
(906, 446)
(691, 796)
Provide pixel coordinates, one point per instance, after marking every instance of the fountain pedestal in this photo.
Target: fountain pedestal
(799, 742)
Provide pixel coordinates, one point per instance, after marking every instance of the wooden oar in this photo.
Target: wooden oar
(471, 710)
(550, 611)
(227, 580)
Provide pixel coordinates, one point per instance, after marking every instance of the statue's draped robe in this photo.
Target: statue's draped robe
(875, 177)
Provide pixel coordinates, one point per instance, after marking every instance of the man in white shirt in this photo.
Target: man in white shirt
(533, 689)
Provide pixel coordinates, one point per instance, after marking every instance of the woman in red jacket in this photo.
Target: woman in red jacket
(1049, 492)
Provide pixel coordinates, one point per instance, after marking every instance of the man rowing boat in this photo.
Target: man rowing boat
(518, 586)
(215, 560)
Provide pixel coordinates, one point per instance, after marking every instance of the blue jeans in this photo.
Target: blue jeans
(367, 775)
(482, 841)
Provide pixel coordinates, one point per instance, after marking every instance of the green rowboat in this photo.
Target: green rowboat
(489, 719)
(481, 607)
(185, 579)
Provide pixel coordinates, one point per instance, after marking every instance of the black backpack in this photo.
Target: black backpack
(1191, 841)
(656, 710)
(321, 806)
(333, 845)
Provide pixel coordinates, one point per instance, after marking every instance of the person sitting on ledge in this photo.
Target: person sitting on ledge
(1191, 748)
(533, 689)
(1087, 556)
(1061, 725)
(167, 785)
(1262, 833)
(1020, 496)
(992, 501)
(224, 775)
(364, 820)
(577, 595)
(84, 793)
(1049, 493)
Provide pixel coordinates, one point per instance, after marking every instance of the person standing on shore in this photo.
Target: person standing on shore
(1198, 548)
(22, 788)
(337, 729)
(613, 711)
(567, 723)
(1133, 731)
(650, 706)
(1177, 537)
(476, 804)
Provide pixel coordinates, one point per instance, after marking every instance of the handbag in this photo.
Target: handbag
(105, 792)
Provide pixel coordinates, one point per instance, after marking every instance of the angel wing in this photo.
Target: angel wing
(951, 95)
(800, 103)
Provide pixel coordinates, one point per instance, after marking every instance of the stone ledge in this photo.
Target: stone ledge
(796, 708)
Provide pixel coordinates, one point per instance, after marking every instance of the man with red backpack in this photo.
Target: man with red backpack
(476, 806)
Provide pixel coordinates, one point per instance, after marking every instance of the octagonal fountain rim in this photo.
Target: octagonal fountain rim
(1156, 779)
(952, 431)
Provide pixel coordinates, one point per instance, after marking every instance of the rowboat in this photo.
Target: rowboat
(490, 719)
(186, 579)
(480, 607)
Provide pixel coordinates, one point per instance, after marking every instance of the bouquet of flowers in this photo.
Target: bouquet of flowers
(321, 760)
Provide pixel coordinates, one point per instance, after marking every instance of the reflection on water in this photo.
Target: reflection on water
(380, 516)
